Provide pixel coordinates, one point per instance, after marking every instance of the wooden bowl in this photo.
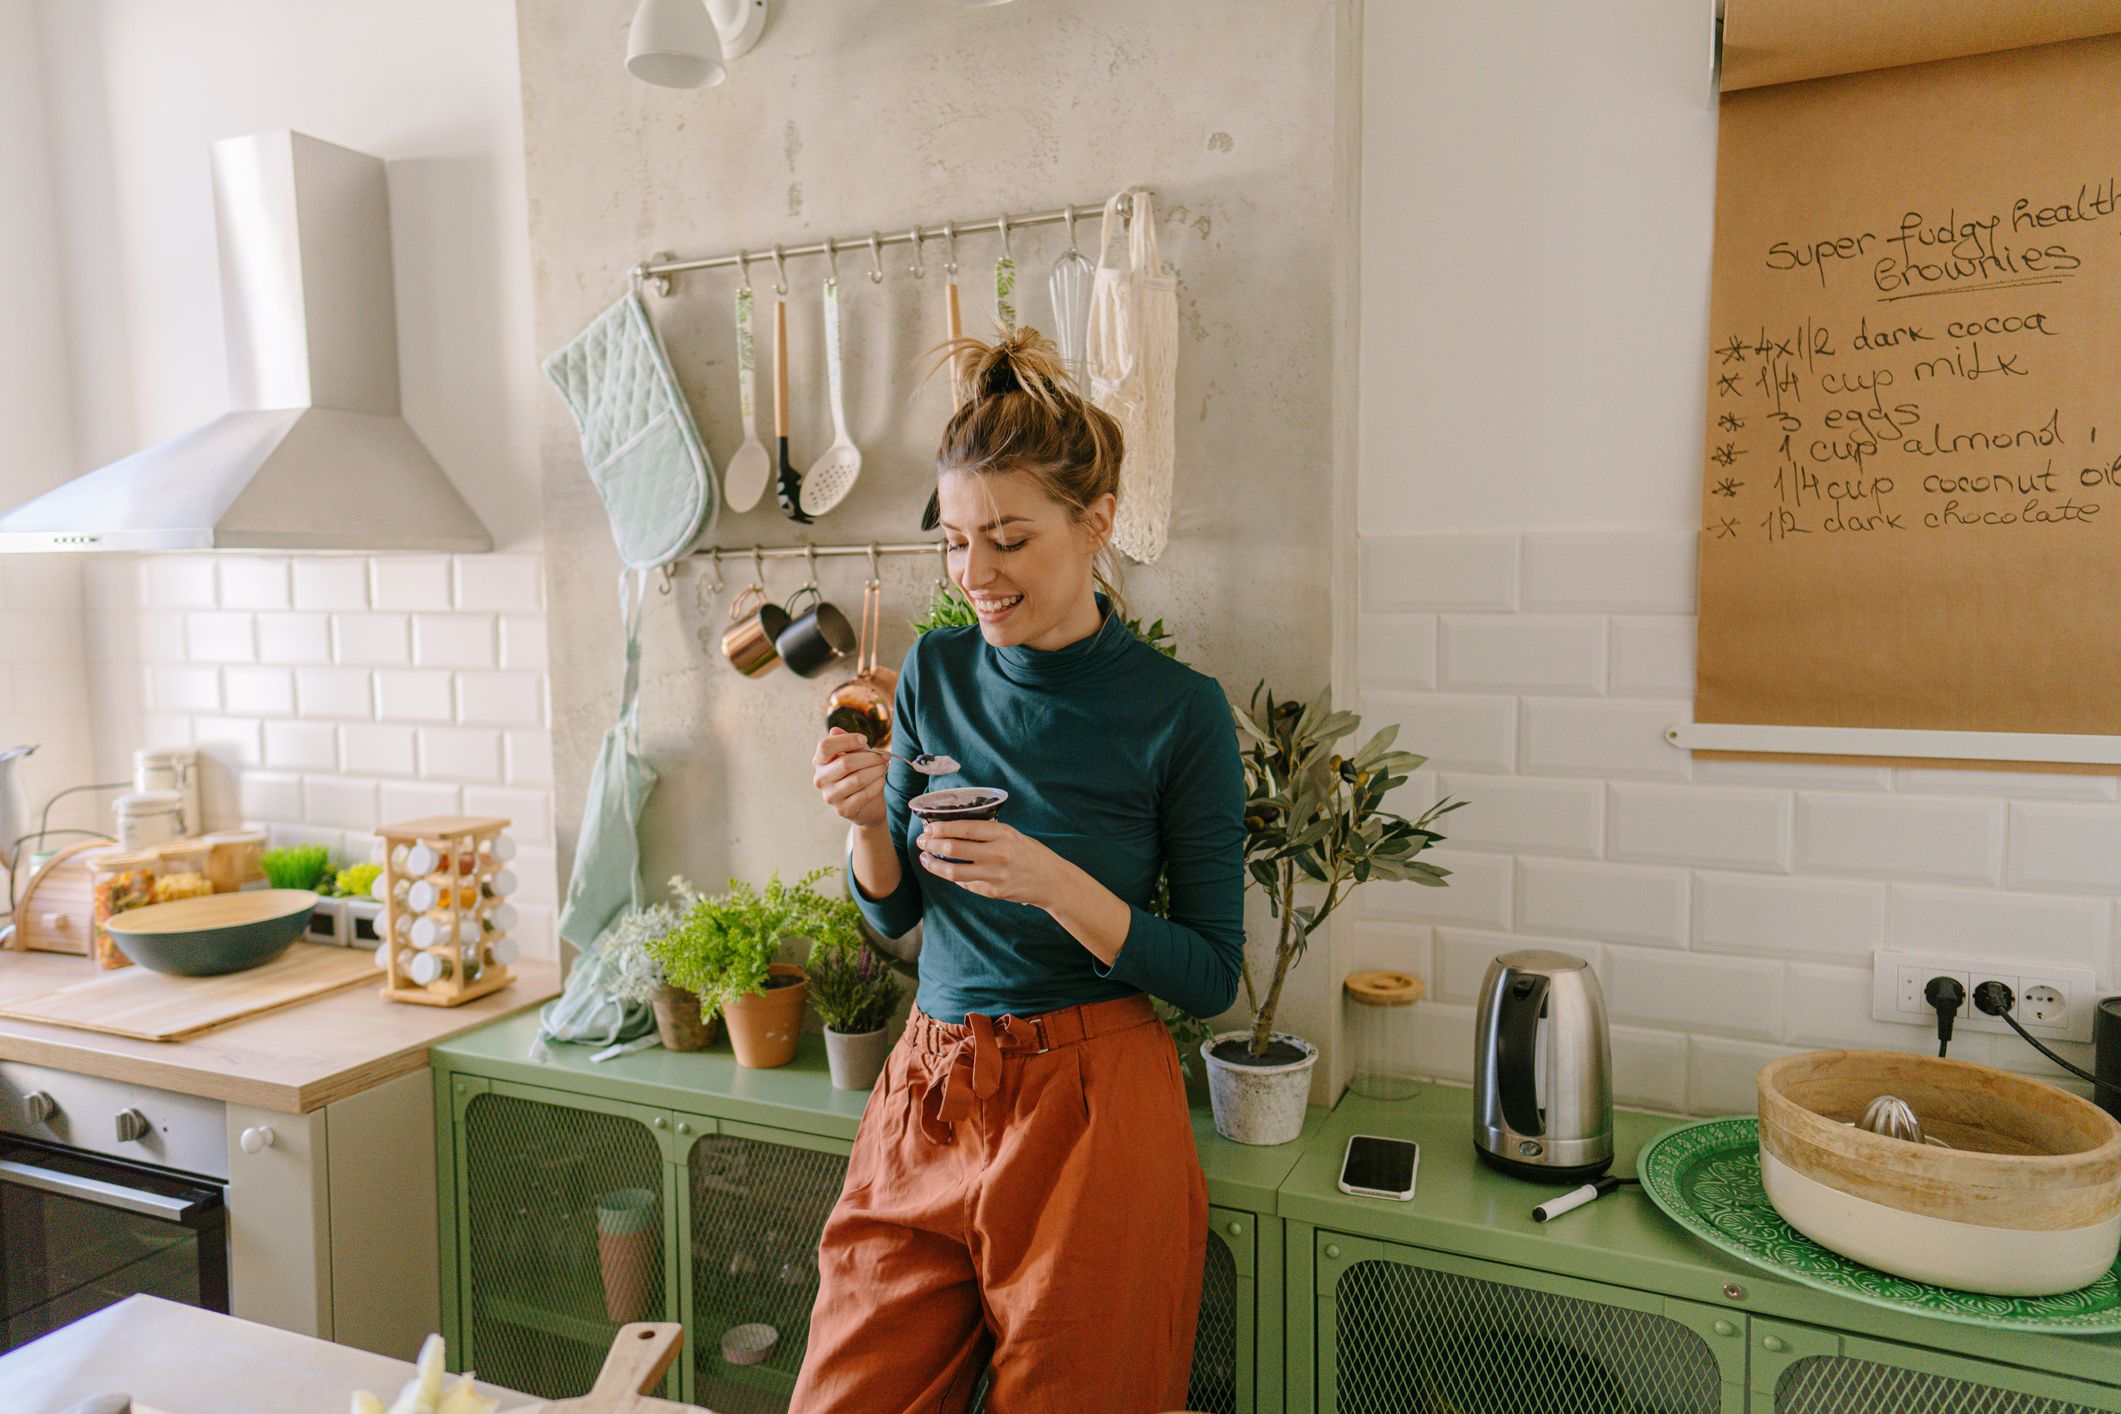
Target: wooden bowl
(2026, 1202)
(205, 937)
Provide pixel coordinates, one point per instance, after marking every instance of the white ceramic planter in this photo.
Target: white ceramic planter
(1259, 1104)
(856, 1058)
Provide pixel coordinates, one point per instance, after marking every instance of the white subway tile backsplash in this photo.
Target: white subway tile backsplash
(416, 800)
(1649, 1068)
(331, 582)
(1733, 996)
(2019, 785)
(453, 640)
(377, 749)
(1462, 956)
(1749, 913)
(1993, 926)
(501, 699)
(1646, 572)
(1569, 738)
(1523, 815)
(508, 582)
(523, 642)
(253, 582)
(1722, 1075)
(1443, 1042)
(1477, 893)
(1391, 947)
(220, 638)
(1653, 656)
(335, 693)
(471, 754)
(414, 696)
(419, 583)
(232, 741)
(270, 797)
(1426, 573)
(1901, 837)
(1522, 653)
(376, 640)
(2066, 847)
(1608, 902)
(529, 758)
(186, 689)
(294, 638)
(1700, 825)
(259, 692)
(178, 582)
(1396, 650)
(1830, 1006)
(1792, 775)
(1455, 733)
(301, 746)
(529, 812)
(339, 802)
(537, 871)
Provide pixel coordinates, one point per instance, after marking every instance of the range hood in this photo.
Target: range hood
(315, 455)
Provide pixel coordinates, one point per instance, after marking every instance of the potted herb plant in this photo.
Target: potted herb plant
(723, 947)
(1315, 828)
(855, 992)
(637, 977)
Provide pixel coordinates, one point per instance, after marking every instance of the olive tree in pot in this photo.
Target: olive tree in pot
(1315, 828)
(723, 948)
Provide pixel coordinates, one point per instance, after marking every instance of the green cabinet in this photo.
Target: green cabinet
(1799, 1369)
(1400, 1328)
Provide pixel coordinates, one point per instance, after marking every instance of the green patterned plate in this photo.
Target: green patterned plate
(1706, 1177)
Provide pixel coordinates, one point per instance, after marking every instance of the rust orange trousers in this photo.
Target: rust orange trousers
(1024, 1197)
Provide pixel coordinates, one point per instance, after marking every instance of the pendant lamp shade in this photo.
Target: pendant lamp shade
(673, 44)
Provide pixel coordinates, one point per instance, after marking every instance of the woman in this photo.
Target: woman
(1024, 1195)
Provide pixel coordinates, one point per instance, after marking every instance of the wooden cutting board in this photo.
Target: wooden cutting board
(634, 1365)
(153, 1006)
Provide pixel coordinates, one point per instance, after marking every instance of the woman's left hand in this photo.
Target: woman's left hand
(998, 861)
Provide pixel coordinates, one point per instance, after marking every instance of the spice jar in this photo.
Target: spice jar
(119, 880)
(235, 860)
(181, 871)
(1380, 1024)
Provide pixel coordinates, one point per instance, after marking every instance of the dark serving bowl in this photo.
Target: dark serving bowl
(205, 937)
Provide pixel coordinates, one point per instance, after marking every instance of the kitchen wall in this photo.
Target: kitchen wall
(329, 692)
(1538, 183)
(860, 114)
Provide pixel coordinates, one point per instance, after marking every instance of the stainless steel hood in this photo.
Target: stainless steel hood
(315, 455)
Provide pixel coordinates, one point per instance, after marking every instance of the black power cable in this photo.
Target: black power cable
(1995, 999)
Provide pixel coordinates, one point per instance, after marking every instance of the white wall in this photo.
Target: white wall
(1538, 182)
(330, 693)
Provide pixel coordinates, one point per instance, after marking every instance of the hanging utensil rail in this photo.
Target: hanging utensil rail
(655, 272)
(797, 552)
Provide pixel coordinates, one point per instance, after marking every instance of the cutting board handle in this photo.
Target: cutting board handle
(640, 1355)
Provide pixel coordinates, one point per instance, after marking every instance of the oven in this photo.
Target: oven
(106, 1190)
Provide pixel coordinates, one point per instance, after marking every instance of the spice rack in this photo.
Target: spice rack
(444, 889)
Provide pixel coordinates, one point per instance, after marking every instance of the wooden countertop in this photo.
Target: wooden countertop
(188, 1361)
(294, 1060)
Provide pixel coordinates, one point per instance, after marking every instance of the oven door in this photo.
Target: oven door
(79, 1232)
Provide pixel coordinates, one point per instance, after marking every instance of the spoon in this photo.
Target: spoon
(832, 475)
(750, 469)
(927, 763)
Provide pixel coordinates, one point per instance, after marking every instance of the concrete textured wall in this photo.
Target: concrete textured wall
(863, 114)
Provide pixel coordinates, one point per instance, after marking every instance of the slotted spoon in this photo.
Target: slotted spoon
(751, 468)
(832, 475)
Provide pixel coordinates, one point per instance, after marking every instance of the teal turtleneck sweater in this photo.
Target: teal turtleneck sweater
(1116, 758)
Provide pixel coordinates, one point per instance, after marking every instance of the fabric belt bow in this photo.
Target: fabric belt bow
(972, 1070)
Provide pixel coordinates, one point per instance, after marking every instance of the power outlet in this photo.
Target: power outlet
(2053, 1003)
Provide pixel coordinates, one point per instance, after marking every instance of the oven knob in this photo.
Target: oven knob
(39, 1106)
(132, 1125)
(258, 1136)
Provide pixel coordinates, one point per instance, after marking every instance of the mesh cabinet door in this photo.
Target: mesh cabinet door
(1400, 1329)
(561, 1234)
(757, 1200)
(1840, 1384)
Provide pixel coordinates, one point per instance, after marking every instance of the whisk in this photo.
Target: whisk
(1069, 288)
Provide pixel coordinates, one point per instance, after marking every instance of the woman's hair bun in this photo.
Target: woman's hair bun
(1020, 360)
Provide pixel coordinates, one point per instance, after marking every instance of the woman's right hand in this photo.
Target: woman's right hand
(849, 773)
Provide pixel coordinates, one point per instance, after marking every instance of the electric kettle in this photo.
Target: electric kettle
(1542, 1069)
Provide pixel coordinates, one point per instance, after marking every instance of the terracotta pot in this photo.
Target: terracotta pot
(857, 1057)
(763, 1026)
(678, 1023)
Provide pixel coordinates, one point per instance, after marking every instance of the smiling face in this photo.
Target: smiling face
(1023, 558)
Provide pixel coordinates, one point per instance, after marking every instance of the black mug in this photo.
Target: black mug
(815, 639)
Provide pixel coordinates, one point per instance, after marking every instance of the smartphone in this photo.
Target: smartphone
(1376, 1167)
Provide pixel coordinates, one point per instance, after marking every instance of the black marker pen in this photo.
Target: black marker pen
(1575, 1198)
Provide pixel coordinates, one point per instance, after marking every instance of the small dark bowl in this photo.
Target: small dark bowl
(206, 937)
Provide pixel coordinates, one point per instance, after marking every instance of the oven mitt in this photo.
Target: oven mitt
(638, 439)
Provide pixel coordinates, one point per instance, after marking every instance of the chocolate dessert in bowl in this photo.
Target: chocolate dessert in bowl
(958, 803)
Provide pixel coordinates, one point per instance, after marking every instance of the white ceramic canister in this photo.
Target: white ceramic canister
(148, 818)
(176, 769)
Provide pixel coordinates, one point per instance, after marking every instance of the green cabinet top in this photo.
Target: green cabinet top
(1462, 1206)
(798, 1096)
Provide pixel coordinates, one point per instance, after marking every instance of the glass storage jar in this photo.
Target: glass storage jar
(1380, 1022)
(118, 880)
(181, 871)
(235, 861)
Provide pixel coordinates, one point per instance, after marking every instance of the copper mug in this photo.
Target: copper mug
(755, 622)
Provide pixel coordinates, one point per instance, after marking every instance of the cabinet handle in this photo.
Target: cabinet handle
(1724, 1328)
(1235, 1229)
(258, 1136)
(659, 1122)
(1774, 1344)
(1333, 1250)
(684, 1127)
